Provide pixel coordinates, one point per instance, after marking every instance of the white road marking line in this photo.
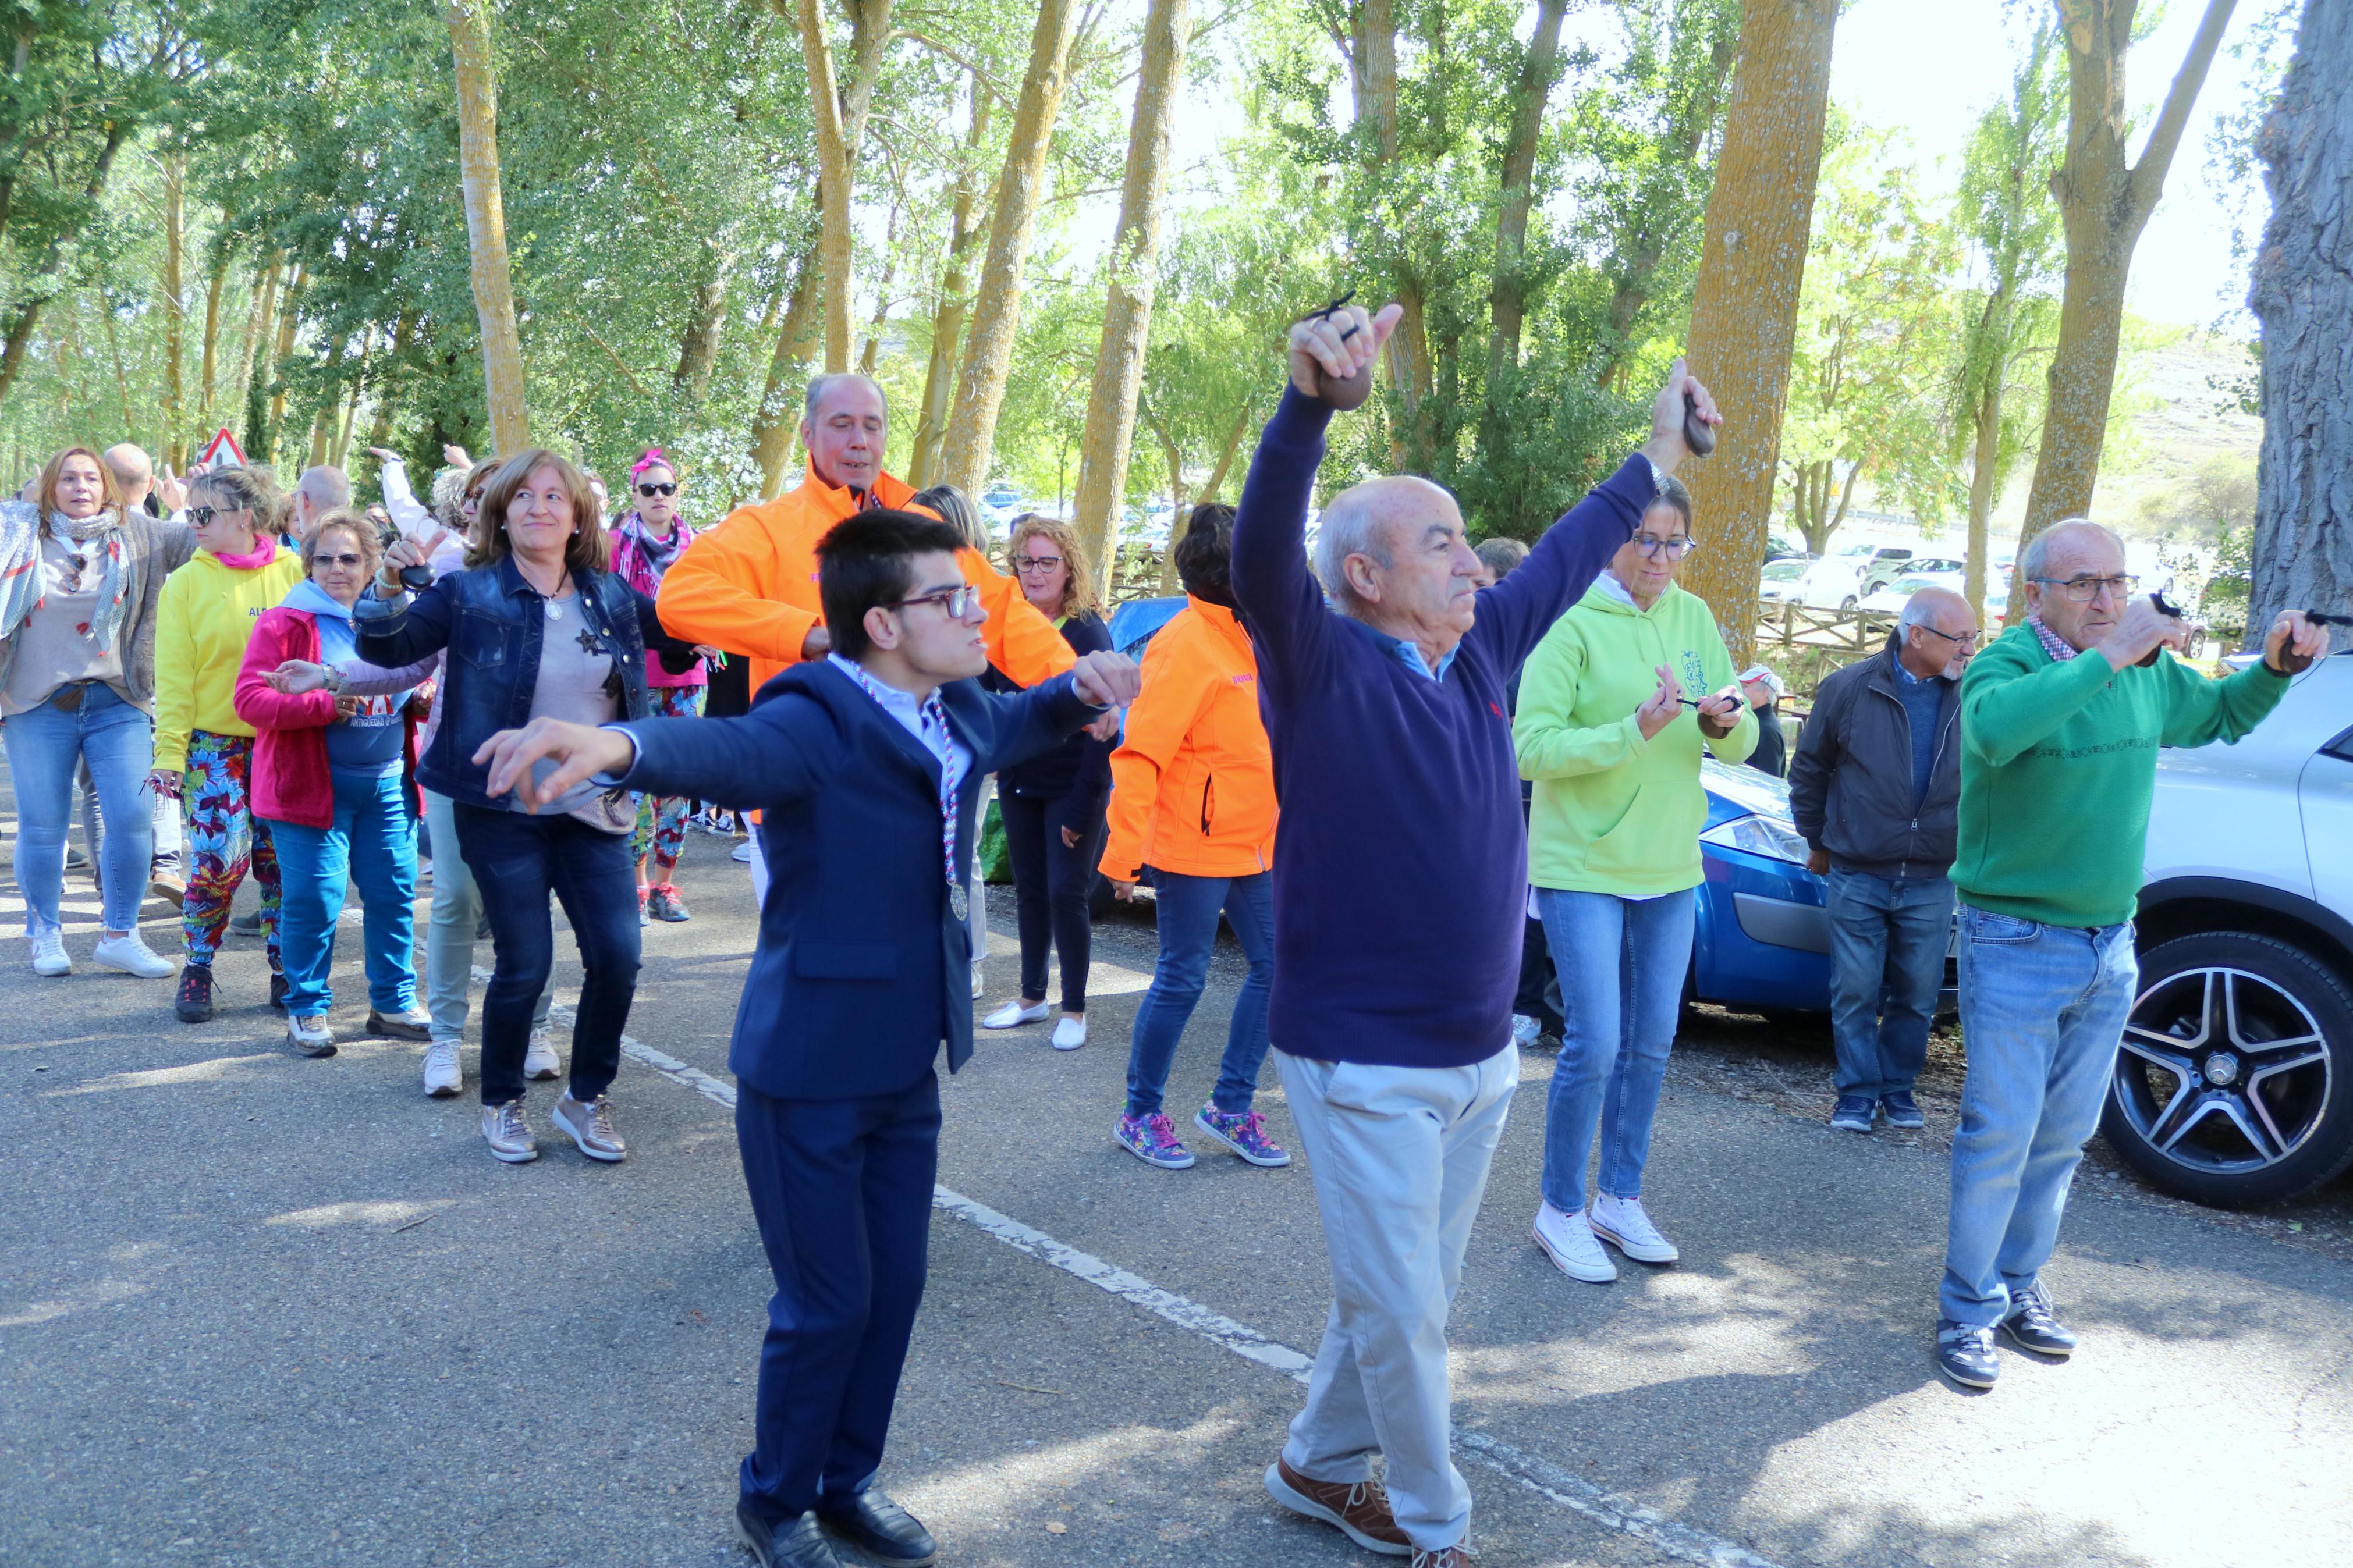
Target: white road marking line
(1607, 1509)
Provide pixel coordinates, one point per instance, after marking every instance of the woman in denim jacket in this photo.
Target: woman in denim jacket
(535, 625)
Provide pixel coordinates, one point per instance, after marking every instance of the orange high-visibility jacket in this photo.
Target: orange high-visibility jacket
(1192, 785)
(749, 586)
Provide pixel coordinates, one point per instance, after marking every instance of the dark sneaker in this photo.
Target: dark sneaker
(1902, 1110)
(788, 1544)
(194, 1002)
(881, 1529)
(414, 1025)
(1854, 1113)
(663, 903)
(2033, 1325)
(1966, 1356)
(1360, 1510)
(279, 989)
(246, 924)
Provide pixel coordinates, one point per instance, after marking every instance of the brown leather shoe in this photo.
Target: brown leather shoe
(1359, 1510)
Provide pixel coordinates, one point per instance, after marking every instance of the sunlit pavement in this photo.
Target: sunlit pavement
(259, 1308)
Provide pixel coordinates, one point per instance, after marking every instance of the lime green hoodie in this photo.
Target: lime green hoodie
(1615, 813)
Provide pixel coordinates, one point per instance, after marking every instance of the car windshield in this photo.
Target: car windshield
(1784, 571)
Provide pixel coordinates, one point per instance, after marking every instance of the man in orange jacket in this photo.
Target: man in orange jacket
(749, 586)
(1193, 798)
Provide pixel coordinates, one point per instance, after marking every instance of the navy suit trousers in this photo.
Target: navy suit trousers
(842, 1189)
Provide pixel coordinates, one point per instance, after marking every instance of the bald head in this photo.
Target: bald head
(319, 491)
(2080, 552)
(134, 474)
(1938, 633)
(1372, 520)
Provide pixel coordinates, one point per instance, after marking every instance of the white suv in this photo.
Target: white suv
(2235, 1084)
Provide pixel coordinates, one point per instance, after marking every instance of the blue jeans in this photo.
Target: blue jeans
(1621, 964)
(1187, 909)
(374, 843)
(44, 744)
(517, 860)
(1888, 937)
(2042, 1008)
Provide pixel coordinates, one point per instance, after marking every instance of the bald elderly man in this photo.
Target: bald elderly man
(2061, 724)
(319, 491)
(1400, 876)
(1874, 788)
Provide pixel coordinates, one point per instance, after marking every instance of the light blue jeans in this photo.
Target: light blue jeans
(1186, 908)
(374, 844)
(1621, 964)
(45, 744)
(2042, 1008)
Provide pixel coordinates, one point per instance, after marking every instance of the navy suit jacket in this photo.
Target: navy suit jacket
(861, 970)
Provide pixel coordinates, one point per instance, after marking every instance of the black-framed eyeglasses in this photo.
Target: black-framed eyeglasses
(2083, 590)
(1964, 640)
(338, 561)
(653, 489)
(955, 601)
(1036, 562)
(1675, 549)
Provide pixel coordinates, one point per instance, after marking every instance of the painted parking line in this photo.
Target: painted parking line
(1607, 1509)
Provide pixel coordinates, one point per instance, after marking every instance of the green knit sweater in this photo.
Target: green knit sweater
(2058, 766)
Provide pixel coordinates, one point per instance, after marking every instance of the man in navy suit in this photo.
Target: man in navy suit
(861, 761)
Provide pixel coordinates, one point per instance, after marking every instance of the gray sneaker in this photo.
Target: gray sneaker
(310, 1036)
(590, 1125)
(508, 1135)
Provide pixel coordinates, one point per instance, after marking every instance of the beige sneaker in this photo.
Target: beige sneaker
(539, 1057)
(443, 1078)
(590, 1125)
(508, 1135)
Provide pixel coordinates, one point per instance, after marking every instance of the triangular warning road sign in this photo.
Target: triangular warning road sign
(222, 452)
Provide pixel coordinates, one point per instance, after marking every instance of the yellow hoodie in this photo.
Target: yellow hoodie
(202, 620)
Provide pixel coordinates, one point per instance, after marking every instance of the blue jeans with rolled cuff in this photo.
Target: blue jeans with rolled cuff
(373, 842)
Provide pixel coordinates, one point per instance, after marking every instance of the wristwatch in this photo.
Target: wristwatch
(334, 679)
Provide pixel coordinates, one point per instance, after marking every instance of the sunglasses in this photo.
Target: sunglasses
(202, 516)
(669, 489)
(318, 561)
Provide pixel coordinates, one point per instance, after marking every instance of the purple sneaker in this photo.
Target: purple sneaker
(1153, 1140)
(1243, 1131)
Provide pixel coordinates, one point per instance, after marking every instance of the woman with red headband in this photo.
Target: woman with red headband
(645, 543)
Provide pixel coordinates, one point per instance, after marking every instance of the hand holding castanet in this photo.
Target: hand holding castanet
(1332, 352)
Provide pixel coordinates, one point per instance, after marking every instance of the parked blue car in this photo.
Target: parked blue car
(1763, 936)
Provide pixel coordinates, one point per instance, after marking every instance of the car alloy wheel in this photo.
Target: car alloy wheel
(2232, 1085)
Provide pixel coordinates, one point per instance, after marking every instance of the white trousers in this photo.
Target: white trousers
(1401, 1158)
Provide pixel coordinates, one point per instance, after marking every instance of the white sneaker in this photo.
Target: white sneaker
(49, 954)
(979, 982)
(132, 955)
(1070, 1034)
(742, 853)
(1622, 1224)
(310, 1036)
(442, 1075)
(1013, 1014)
(1524, 1030)
(1569, 1242)
(539, 1057)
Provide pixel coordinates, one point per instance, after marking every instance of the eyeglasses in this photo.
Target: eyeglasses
(1966, 639)
(1675, 549)
(2083, 590)
(669, 489)
(1036, 562)
(338, 561)
(955, 601)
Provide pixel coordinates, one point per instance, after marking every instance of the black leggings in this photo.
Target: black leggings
(1051, 880)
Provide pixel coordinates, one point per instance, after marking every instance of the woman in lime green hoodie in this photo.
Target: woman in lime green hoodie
(204, 752)
(1614, 705)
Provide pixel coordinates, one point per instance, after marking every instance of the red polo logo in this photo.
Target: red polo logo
(1498, 713)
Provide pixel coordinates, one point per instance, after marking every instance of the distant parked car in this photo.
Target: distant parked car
(1929, 573)
(1782, 579)
(1779, 549)
(1832, 583)
(1761, 939)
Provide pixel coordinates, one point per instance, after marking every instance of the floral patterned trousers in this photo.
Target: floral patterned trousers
(224, 839)
(661, 822)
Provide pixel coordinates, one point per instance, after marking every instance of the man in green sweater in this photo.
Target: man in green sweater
(2061, 724)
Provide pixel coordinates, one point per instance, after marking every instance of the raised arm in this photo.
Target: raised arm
(706, 598)
(403, 629)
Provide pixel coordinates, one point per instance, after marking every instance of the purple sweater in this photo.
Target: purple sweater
(1400, 867)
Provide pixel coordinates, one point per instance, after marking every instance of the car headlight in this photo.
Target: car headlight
(1760, 836)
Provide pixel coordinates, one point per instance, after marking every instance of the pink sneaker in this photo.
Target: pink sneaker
(1153, 1140)
(1243, 1131)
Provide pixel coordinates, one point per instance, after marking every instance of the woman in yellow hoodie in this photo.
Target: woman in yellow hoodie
(1614, 705)
(204, 752)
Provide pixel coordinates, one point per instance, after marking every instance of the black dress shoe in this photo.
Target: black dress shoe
(2033, 1325)
(882, 1530)
(793, 1544)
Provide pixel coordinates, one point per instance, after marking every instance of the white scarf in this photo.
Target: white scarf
(98, 537)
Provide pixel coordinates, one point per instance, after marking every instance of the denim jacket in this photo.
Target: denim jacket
(490, 621)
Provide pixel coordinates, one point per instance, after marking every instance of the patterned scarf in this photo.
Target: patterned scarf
(641, 558)
(96, 541)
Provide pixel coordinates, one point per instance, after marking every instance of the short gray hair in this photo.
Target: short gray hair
(1351, 525)
(327, 487)
(2033, 560)
(1918, 611)
(819, 384)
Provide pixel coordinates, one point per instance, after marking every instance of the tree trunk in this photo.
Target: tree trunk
(1981, 491)
(954, 300)
(260, 320)
(1374, 83)
(210, 353)
(486, 225)
(1745, 309)
(834, 250)
(1127, 306)
(996, 312)
(121, 376)
(1215, 483)
(289, 321)
(2303, 295)
(706, 319)
(873, 349)
(18, 339)
(2104, 204)
(773, 427)
(1507, 293)
(175, 313)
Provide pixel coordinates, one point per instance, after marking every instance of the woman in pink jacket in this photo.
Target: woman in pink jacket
(334, 772)
(646, 541)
